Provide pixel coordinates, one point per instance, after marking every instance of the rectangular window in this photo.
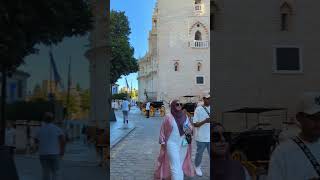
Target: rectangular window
(287, 59)
(199, 79)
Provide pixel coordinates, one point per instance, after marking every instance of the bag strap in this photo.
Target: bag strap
(308, 154)
(206, 110)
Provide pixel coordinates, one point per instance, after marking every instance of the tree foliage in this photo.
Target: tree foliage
(122, 53)
(120, 96)
(85, 100)
(25, 24)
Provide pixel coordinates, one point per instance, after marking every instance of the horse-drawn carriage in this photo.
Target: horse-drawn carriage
(253, 146)
(154, 107)
(190, 104)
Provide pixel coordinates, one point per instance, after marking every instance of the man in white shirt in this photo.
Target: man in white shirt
(51, 141)
(289, 161)
(148, 109)
(125, 106)
(201, 122)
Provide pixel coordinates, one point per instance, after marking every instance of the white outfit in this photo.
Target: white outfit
(176, 152)
(202, 134)
(289, 132)
(10, 137)
(288, 162)
(148, 106)
(48, 136)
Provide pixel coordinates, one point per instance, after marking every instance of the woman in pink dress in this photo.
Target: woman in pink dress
(174, 160)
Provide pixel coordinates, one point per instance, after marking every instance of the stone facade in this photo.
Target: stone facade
(178, 60)
(247, 68)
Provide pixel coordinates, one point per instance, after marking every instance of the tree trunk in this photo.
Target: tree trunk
(3, 104)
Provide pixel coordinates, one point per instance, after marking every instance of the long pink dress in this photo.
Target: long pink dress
(162, 171)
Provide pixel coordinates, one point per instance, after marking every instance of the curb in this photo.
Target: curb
(121, 138)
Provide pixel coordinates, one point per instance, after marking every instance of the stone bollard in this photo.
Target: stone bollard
(21, 136)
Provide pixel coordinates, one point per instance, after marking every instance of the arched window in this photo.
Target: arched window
(286, 14)
(197, 1)
(199, 66)
(198, 36)
(154, 23)
(176, 66)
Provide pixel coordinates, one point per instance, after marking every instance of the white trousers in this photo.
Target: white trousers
(177, 154)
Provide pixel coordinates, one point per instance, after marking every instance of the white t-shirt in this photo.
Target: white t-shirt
(10, 137)
(48, 136)
(202, 133)
(125, 105)
(148, 106)
(288, 162)
(289, 132)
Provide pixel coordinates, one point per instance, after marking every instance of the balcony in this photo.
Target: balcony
(198, 8)
(199, 44)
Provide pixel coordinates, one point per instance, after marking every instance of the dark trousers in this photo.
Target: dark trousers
(50, 166)
(148, 113)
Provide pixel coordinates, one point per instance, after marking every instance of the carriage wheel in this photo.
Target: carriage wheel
(239, 155)
(144, 112)
(162, 111)
(152, 111)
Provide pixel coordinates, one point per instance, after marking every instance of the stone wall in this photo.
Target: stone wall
(242, 54)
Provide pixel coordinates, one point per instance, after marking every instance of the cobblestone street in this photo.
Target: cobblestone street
(135, 156)
(79, 162)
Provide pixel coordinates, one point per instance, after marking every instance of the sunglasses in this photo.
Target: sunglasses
(179, 104)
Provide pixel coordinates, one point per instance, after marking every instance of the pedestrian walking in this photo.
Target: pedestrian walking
(299, 157)
(201, 122)
(148, 104)
(175, 140)
(125, 106)
(51, 142)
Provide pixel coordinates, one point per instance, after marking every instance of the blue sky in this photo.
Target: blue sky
(139, 13)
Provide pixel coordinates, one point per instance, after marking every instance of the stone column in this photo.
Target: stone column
(99, 58)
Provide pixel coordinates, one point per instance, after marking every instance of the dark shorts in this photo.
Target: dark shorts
(50, 162)
(125, 113)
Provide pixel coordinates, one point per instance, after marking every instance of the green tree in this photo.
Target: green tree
(78, 87)
(123, 61)
(25, 24)
(72, 106)
(120, 96)
(85, 100)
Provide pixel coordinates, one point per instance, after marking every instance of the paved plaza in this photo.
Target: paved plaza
(79, 163)
(135, 156)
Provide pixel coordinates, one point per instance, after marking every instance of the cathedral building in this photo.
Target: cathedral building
(178, 60)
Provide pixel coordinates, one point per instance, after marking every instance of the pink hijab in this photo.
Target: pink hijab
(179, 116)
